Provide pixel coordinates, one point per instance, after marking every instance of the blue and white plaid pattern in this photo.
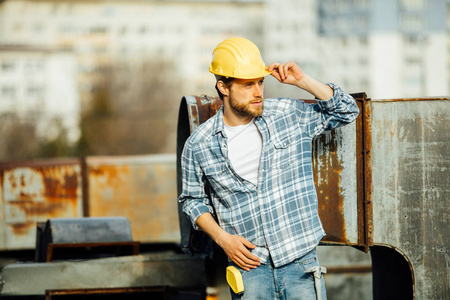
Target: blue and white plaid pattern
(280, 214)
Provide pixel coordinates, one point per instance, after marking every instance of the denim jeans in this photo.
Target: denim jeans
(287, 282)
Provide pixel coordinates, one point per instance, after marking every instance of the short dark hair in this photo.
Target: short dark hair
(226, 80)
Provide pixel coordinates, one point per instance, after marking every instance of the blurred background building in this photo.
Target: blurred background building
(96, 77)
(131, 61)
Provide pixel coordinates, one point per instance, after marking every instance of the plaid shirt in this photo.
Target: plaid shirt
(280, 214)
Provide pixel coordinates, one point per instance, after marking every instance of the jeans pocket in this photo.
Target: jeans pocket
(308, 261)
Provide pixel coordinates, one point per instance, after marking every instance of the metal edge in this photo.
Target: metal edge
(439, 98)
(364, 172)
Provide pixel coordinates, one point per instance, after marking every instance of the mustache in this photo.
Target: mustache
(257, 99)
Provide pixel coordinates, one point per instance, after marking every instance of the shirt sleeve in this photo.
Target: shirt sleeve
(193, 196)
(337, 111)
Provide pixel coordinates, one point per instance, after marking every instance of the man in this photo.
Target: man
(253, 159)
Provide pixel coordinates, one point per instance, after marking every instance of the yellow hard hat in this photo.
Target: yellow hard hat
(238, 58)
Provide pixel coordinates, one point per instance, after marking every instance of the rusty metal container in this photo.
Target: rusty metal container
(34, 192)
(141, 188)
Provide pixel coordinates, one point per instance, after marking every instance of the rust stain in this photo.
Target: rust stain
(142, 193)
(22, 228)
(60, 182)
(37, 193)
(12, 182)
(34, 210)
(327, 178)
(111, 188)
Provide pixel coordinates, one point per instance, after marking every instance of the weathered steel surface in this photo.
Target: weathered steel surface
(173, 270)
(201, 109)
(141, 188)
(35, 192)
(334, 167)
(411, 188)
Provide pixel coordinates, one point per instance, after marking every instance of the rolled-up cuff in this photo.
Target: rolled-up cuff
(332, 102)
(195, 210)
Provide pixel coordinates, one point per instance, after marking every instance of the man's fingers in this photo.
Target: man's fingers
(247, 243)
(272, 66)
(249, 258)
(286, 68)
(285, 73)
(245, 263)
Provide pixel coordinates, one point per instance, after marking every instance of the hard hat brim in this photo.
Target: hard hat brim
(250, 76)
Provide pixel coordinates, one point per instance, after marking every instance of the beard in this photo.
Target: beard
(245, 109)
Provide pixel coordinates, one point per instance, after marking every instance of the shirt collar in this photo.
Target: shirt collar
(219, 123)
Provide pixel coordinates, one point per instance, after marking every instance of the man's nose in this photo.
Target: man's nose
(258, 91)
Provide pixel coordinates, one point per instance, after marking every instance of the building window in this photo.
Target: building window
(35, 91)
(412, 22)
(34, 67)
(8, 92)
(7, 66)
(413, 4)
(98, 29)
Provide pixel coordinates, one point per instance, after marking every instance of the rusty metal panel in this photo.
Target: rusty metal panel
(201, 109)
(334, 165)
(411, 188)
(141, 188)
(34, 192)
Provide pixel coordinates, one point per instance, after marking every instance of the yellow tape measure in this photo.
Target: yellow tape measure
(234, 279)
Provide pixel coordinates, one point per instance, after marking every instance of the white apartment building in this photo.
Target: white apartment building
(98, 35)
(388, 49)
(107, 32)
(382, 47)
(39, 83)
(290, 33)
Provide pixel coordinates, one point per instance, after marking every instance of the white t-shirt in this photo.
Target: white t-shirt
(244, 150)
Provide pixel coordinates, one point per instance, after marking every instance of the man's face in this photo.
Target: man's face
(246, 97)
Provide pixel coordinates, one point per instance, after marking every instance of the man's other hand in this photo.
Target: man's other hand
(236, 248)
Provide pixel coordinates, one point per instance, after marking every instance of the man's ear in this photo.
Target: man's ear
(223, 88)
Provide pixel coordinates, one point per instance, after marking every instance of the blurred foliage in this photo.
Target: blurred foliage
(133, 111)
(18, 138)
